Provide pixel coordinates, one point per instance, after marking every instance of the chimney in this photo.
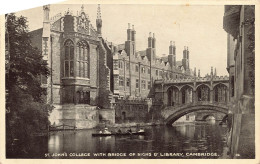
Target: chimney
(184, 53)
(129, 37)
(170, 49)
(154, 41)
(150, 40)
(133, 33)
(187, 53)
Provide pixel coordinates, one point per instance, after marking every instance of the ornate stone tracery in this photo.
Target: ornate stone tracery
(83, 20)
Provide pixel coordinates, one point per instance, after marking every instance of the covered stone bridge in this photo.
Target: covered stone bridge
(182, 96)
(184, 91)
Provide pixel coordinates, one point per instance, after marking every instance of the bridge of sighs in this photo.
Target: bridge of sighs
(182, 96)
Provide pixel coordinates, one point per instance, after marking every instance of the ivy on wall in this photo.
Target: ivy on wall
(251, 47)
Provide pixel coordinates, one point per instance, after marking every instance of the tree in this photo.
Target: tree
(27, 112)
(26, 63)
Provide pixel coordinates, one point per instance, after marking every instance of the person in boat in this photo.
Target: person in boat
(106, 131)
(119, 131)
(129, 130)
(141, 130)
(100, 132)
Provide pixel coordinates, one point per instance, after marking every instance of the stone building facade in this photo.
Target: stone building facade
(79, 85)
(239, 23)
(91, 78)
(134, 71)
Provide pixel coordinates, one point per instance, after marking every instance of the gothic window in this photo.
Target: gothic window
(143, 84)
(78, 97)
(81, 97)
(137, 83)
(121, 81)
(149, 71)
(143, 69)
(87, 98)
(203, 93)
(127, 82)
(136, 68)
(220, 93)
(149, 84)
(69, 59)
(156, 72)
(127, 66)
(160, 73)
(115, 64)
(120, 64)
(83, 59)
(183, 96)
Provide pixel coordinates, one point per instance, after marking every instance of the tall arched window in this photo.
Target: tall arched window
(220, 91)
(69, 58)
(83, 59)
(203, 93)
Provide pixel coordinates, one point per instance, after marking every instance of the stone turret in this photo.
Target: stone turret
(99, 21)
(46, 21)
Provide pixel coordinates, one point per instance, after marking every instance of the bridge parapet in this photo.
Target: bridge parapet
(192, 79)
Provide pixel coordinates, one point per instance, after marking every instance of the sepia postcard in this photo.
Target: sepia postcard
(130, 80)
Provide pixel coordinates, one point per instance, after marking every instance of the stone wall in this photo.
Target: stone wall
(56, 115)
(239, 22)
(104, 78)
(81, 116)
(106, 116)
(131, 111)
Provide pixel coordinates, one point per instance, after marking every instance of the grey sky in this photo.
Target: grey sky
(198, 27)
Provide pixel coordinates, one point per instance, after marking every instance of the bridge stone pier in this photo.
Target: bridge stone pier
(183, 96)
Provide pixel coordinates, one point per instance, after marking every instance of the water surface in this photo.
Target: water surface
(182, 141)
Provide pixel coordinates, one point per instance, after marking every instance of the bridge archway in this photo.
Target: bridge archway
(203, 92)
(172, 96)
(186, 94)
(220, 92)
(178, 113)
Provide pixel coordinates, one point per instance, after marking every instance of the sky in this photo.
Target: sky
(200, 27)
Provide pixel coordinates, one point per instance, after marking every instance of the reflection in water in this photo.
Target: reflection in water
(178, 139)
